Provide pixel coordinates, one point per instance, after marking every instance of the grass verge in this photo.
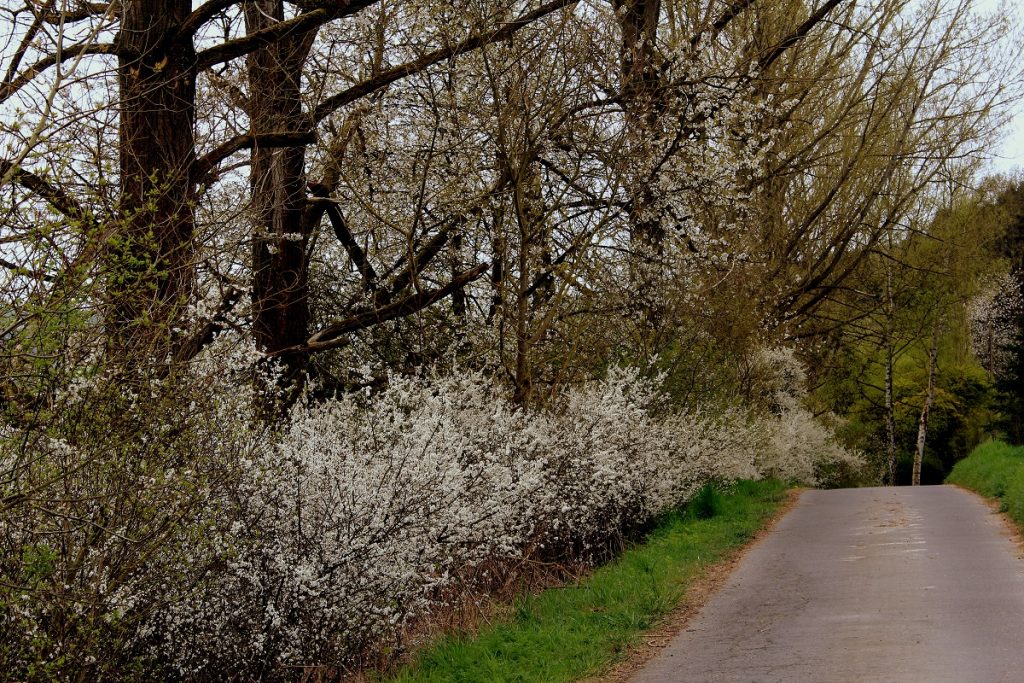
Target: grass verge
(995, 470)
(567, 633)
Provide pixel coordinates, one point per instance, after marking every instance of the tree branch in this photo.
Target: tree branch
(85, 11)
(306, 21)
(419, 261)
(64, 203)
(201, 15)
(730, 13)
(344, 235)
(19, 54)
(799, 34)
(203, 168)
(72, 52)
(25, 272)
(476, 41)
(333, 336)
(205, 335)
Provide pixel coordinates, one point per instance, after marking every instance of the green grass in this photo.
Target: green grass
(564, 634)
(996, 470)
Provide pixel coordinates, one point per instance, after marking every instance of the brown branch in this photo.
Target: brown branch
(85, 11)
(25, 272)
(730, 13)
(306, 21)
(205, 335)
(344, 235)
(333, 336)
(64, 203)
(19, 54)
(71, 52)
(201, 15)
(420, 260)
(799, 34)
(474, 42)
(202, 171)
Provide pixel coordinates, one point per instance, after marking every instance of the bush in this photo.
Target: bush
(109, 514)
(206, 547)
(1013, 500)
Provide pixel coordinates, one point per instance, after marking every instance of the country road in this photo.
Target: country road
(881, 584)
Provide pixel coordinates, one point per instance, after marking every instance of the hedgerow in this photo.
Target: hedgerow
(169, 534)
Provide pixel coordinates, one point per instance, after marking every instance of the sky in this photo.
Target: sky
(1010, 153)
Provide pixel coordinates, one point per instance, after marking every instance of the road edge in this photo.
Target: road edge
(1008, 527)
(711, 579)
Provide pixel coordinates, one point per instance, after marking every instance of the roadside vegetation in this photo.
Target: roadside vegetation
(564, 634)
(995, 470)
(316, 315)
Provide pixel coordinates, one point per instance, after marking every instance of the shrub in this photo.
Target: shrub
(1013, 500)
(203, 546)
(102, 509)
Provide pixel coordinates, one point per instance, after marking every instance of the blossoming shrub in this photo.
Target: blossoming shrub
(216, 554)
(797, 446)
(359, 516)
(800, 448)
(103, 503)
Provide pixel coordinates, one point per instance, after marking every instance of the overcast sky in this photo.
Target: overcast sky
(1010, 154)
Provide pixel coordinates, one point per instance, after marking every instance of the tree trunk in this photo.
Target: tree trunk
(280, 289)
(639, 78)
(530, 218)
(149, 260)
(641, 89)
(922, 425)
(890, 409)
(890, 418)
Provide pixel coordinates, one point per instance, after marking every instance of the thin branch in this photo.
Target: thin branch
(474, 42)
(205, 335)
(420, 260)
(64, 203)
(799, 34)
(201, 15)
(25, 272)
(72, 52)
(730, 13)
(19, 54)
(86, 11)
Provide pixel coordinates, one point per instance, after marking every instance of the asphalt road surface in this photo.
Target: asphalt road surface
(882, 584)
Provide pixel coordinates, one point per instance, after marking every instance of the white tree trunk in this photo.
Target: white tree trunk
(922, 425)
(890, 410)
(890, 418)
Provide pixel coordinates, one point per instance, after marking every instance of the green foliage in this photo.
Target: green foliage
(566, 633)
(960, 415)
(706, 504)
(917, 286)
(996, 470)
(38, 562)
(990, 469)
(1013, 500)
(73, 591)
